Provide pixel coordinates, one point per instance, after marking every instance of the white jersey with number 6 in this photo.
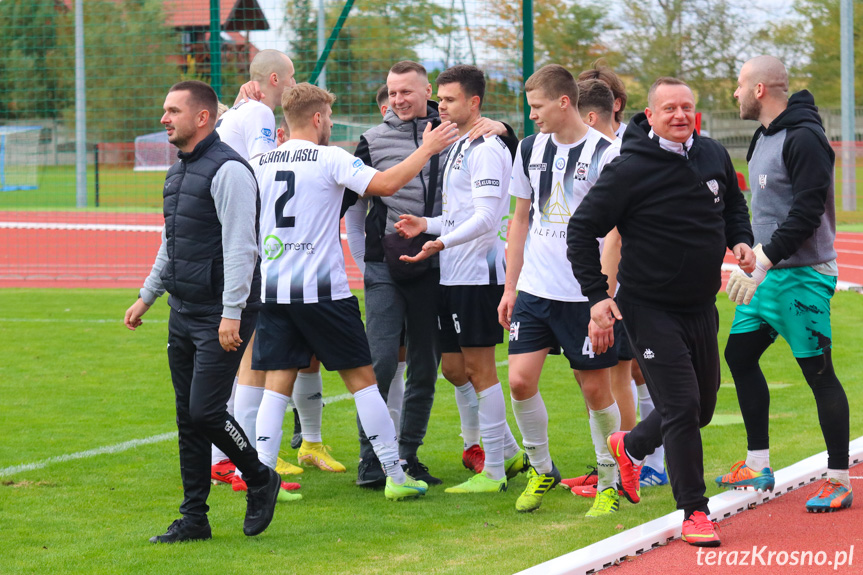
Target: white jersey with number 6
(302, 185)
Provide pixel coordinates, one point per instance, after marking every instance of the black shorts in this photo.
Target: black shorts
(289, 334)
(538, 323)
(624, 351)
(467, 317)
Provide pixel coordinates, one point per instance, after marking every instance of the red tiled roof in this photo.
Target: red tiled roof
(234, 15)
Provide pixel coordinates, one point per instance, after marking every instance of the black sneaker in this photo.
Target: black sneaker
(185, 530)
(261, 504)
(370, 473)
(297, 438)
(417, 470)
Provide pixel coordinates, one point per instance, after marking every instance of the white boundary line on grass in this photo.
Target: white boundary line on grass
(117, 448)
(638, 540)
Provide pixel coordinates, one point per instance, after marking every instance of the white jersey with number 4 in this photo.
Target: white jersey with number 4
(302, 185)
(555, 178)
(249, 127)
(480, 168)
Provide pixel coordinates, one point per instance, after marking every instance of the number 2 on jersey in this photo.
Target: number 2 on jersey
(283, 221)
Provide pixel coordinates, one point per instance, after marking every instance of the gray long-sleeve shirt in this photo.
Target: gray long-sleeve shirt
(234, 192)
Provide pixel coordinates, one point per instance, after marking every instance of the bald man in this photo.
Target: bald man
(793, 219)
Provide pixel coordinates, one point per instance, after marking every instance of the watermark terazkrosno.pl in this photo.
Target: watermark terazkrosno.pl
(762, 556)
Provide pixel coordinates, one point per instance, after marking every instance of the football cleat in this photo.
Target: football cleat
(589, 479)
(653, 478)
(743, 476)
(297, 437)
(410, 489)
(537, 485)
(831, 495)
(418, 470)
(516, 464)
(222, 472)
(318, 454)
(630, 473)
(261, 504)
(284, 496)
(473, 458)
(700, 531)
(607, 502)
(285, 468)
(370, 473)
(479, 483)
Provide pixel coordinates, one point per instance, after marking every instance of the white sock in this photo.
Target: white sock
(532, 419)
(492, 425)
(216, 454)
(271, 416)
(840, 475)
(758, 459)
(396, 396)
(655, 460)
(380, 430)
(246, 404)
(468, 410)
(308, 398)
(604, 422)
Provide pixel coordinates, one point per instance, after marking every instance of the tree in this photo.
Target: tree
(376, 34)
(814, 35)
(700, 41)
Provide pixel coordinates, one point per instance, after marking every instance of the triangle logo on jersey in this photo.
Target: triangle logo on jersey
(556, 209)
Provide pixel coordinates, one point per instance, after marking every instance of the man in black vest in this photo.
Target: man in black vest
(212, 272)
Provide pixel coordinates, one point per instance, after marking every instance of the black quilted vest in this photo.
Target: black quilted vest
(195, 272)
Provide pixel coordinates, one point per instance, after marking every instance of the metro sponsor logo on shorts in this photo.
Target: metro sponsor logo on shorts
(762, 557)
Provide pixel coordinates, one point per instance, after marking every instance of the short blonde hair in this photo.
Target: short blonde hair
(554, 81)
(303, 101)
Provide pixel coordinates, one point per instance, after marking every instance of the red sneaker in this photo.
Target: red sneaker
(589, 479)
(630, 474)
(223, 472)
(240, 485)
(700, 531)
(473, 458)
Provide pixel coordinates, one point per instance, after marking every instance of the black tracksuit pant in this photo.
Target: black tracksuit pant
(679, 357)
(203, 375)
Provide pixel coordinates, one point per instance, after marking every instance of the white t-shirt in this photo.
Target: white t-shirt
(302, 185)
(620, 130)
(478, 169)
(249, 128)
(559, 178)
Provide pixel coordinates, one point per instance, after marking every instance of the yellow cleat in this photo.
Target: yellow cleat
(285, 468)
(318, 454)
(479, 483)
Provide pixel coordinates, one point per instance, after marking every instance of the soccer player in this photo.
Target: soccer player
(600, 71)
(396, 303)
(472, 270)
(674, 198)
(793, 217)
(250, 128)
(553, 171)
(211, 270)
(308, 308)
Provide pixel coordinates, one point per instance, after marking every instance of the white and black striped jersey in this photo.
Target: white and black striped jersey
(555, 178)
(302, 185)
(480, 168)
(249, 127)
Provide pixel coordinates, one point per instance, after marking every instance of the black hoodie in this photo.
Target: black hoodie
(675, 215)
(791, 176)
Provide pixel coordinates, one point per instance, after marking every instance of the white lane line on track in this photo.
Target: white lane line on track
(116, 448)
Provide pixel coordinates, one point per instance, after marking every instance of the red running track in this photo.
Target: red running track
(116, 249)
(781, 524)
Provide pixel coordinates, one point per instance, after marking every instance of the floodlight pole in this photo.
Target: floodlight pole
(80, 110)
(849, 139)
(527, 58)
(322, 42)
(216, 48)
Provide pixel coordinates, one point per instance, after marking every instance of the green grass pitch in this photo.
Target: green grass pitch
(74, 379)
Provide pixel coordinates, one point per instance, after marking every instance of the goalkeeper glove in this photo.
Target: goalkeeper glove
(741, 285)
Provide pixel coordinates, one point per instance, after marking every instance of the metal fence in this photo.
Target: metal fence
(83, 85)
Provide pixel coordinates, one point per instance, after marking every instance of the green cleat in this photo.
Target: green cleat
(479, 483)
(516, 464)
(607, 502)
(537, 486)
(410, 489)
(287, 496)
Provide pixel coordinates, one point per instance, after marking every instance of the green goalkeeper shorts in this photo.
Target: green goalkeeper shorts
(795, 303)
